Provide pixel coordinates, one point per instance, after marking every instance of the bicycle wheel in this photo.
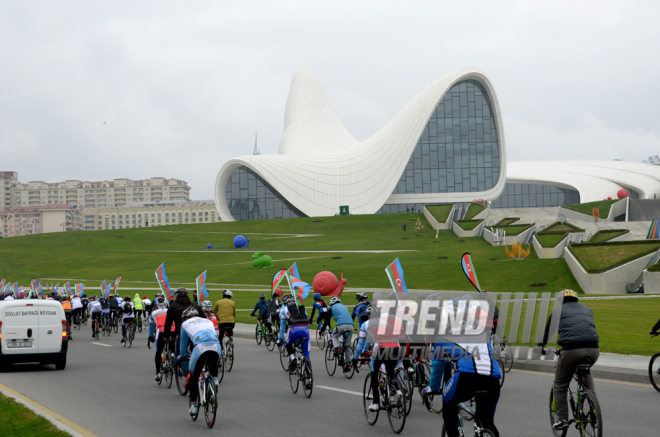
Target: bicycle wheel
(270, 342)
(210, 403)
(258, 336)
(221, 368)
(307, 378)
(96, 332)
(115, 326)
(591, 416)
(294, 381)
(654, 371)
(348, 357)
(396, 412)
(167, 372)
(180, 381)
(368, 399)
(320, 340)
(284, 358)
(507, 356)
(330, 360)
(229, 358)
(129, 337)
(139, 325)
(553, 417)
(404, 381)
(502, 372)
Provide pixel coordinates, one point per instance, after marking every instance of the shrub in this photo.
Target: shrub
(607, 234)
(586, 208)
(507, 221)
(654, 268)
(468, 225)
(440, 212)
(560, 228)
(473, 210)
(551, 240)
(601, 257)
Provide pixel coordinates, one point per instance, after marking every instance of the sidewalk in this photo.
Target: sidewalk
(630, 368)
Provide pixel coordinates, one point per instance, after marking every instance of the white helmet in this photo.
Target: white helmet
(161, 303)
(227, 293)
(207, 305)
(334, 300)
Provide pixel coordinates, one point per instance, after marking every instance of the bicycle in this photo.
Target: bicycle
(323, 338)
(302, 372)
(97, 329)
(392, 399)
(138, 322)
(466, 412)
(506, 355)
(167, 365)
(84, 317)
(654, 371)
(179, 377)
(260, 332)
(585, 407)
(227, 353)
(207, 397)
(114, 321)
(344, 357)
(271, 337)
(130, 333)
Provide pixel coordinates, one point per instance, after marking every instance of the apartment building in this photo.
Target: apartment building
(29, 220)
(103, 194)
(149, 214)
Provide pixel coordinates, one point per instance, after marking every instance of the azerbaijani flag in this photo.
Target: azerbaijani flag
(277, 278)
(395, 274)
(2, 283)
(201, 287)
(117, 284)
(79, 289)
(67, 289)
(163, 282)
(33, 285)
(468, 269)
(293, 271)
(104, 289)
(299, 289)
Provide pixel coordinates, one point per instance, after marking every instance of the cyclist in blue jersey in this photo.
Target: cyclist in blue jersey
(206, 349)
(360, 308)
(344, 324)
(284, 316)
(262, 307)
(298, 330)
(322, 306)
(363, 344)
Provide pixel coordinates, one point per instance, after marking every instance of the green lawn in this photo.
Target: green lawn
(601, 257)
(440, 212)
(468, 225)
(19, 421)
(606, 235)
(507, 221)
(654, 268)
(473, 210)
(587, 208)
(559, 228)
(512, 230)
(550, 240)
(431, 263)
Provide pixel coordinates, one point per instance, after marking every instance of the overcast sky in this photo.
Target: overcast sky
(94, 90)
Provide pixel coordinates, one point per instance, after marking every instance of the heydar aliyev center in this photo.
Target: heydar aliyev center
(446, 145)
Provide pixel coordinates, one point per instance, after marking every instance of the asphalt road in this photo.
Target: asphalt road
(110, 391)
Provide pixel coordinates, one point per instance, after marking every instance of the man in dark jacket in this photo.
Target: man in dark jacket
(579, 341)
(174, 312)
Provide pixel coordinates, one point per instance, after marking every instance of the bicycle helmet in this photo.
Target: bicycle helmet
(262, 296)
(83, 295)
(189, 312)
(161, 304)
(227, 294)
(570, 296)
(207, 305)
(334, 300)
(361, 296)
(127, 298)
(317, 296)
(286, 299)
(181, 291)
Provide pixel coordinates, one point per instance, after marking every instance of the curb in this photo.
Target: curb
(601, 372)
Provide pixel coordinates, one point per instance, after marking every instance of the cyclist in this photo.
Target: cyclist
(207, 306)
(362, 336)
(85, 302)
(343, 323)
(156, 327)
(95, 309)
(322, 306)
(206, 349)
(475, 372)
(76, 306)
(273, 307)
(105, 309)
(114, 307)
(128, 316)
(579, 341)
(147, 306)
(283, 317)
(175, 310)
(262, 307)
(360, 308)
(225, 309)
(68, 311)
(298, 329)
(139, 306)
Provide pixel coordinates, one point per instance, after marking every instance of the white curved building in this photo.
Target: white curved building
(446, 145)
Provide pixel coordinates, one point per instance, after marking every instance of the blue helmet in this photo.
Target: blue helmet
(317, 296)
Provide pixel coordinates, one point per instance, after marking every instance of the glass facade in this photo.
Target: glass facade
(402, 207)
(459, 148)
(534, 195)
(249, 197)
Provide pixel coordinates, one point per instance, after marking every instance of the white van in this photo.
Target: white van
(33, 330)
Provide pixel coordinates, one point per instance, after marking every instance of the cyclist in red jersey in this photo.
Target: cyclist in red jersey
(207, 306)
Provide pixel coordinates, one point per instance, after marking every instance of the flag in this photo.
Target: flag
(20, 293)
(2, 284)
(395, 274)
(468, 269)
(299, 289)
(117, 283)
(202, 292)
(163, 282)
(293, 271)
(79, 289)
(67, 289)
(277, 278)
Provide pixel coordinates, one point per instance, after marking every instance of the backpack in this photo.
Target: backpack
(113, 304)
(128, 308)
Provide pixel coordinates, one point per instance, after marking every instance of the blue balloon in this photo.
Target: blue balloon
(209, 246)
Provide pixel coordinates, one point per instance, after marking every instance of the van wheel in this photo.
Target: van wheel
(60, 364)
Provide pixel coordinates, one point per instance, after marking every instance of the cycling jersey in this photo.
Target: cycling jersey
(95, 307)
(322, 306)
(360, 311)
(362, 342)
(66, 305)
(261, 306)
(137, 302)
(157, 322)
(198, 331)
(76, 303)
(340, 313)
(130, 314)
(213, 318)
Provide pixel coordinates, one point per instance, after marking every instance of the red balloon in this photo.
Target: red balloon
(609, 198)
(325, 283)
(622, 194)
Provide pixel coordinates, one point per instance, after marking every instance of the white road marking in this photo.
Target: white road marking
(339, 390)
(102, 344)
